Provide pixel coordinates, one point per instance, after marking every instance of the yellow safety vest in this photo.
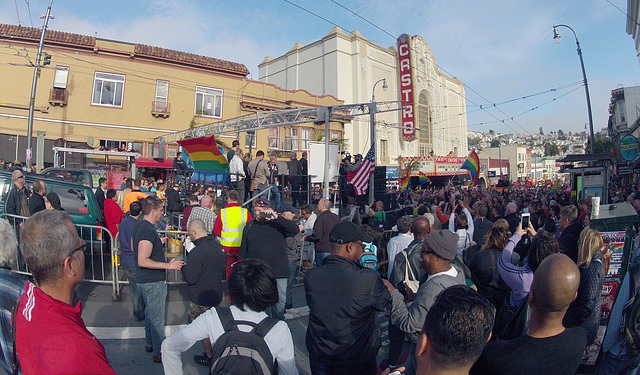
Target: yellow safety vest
(233, 221)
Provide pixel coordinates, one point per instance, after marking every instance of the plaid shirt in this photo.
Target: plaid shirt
(206, 215)
(11, 288)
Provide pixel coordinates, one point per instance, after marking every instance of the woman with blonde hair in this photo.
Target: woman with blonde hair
(585, 310)
(484, 264)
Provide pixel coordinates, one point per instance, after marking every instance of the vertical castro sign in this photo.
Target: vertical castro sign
(406, 88)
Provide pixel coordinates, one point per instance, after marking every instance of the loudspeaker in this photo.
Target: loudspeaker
(389, 200)
(380, 178)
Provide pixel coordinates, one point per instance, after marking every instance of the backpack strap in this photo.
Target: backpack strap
(264, 326)
(14, 311)
(226, 318)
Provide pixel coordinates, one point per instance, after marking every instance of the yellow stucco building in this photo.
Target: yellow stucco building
(118, 95)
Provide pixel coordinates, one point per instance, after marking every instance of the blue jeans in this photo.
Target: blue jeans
(277, 311)
(155, 298)
(136, 296)
(612, 365)
(275, 196)
(293, 271)
(320, 258)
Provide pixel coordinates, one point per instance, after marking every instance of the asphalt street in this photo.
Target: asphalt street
(123, 338)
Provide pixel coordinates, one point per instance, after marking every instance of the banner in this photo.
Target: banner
(406, 87)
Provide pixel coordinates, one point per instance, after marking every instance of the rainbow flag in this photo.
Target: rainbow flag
(205, 154)
(423, 178)
(404, 181)
(472, 164)
(554, 187)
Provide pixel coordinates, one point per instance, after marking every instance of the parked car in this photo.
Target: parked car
(80, 176)
(76, 199)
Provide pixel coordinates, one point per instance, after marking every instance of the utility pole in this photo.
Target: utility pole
(32, 99)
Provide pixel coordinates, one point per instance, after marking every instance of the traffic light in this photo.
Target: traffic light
(46, 59)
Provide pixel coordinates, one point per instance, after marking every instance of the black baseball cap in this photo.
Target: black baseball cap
(345, 232)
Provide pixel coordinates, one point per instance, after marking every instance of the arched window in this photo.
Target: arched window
(425, 124)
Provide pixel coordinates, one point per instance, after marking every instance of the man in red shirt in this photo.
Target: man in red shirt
(229, 225)
(51, 337)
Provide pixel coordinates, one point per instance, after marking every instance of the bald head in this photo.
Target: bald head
(324, 205)
(206, 201)
(420, 227)
(196, 229)
(555, 284)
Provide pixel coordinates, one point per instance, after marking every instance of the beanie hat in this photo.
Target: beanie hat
(443, 242)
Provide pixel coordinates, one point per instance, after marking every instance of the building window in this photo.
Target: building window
(274, 138)
(305, 136)
(621, 111)
(108, 89)
(111, 144)
(162, 94)
(250, 139)
(60, 80)
(294, 138)
(384, 150)
(424, 150)
(335, 135)
(208, 102)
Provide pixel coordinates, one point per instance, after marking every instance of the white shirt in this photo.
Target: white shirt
(451, 272)
(208, 325)
(236, 168)
(395, 246)
(465, 236)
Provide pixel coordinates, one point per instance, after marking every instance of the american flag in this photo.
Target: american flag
(361, 179)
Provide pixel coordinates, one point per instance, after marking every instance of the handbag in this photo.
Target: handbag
(512, 322)
(410, 279)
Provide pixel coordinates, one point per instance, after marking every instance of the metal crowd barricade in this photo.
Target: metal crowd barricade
(99, 258)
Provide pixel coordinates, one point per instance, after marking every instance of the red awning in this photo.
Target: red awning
(154, 163)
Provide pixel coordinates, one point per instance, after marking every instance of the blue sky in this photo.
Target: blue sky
(501, 50)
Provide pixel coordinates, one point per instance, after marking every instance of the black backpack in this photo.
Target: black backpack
(630, 325)
(238, 352)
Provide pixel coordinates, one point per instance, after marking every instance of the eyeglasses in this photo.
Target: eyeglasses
(81, 247)
(425, 252)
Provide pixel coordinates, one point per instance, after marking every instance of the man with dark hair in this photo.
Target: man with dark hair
(229, 226)
(235, 146)
(252, 289)
(400, 242)
(236, 173)
(193, 203)
(482, 226)
(134, 195)
(294, 178)
(344, 299)
(439, 249)
(174, 203)
(151, 273)
(17, 199)
(203, 274)
(456, 329)
(128, 263)
(321, 229)
(51, 337)
(570, 229)
(36, 200)
(100, 192)
(259, 171)
(265, 238)
(548, 347)
(178, 164)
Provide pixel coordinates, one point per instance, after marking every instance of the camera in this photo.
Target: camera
(264, 215)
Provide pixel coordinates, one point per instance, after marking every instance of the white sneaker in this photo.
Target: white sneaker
(293, 311)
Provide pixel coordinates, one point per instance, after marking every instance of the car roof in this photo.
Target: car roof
(55, 181)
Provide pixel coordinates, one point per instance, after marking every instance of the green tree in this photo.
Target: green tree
(495, 143)
(551, 149)
(541, 131)
(560, 132)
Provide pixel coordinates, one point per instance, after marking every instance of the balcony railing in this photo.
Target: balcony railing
(160, 109)
(58, 96)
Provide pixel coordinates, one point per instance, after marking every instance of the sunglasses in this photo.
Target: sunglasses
(81, 247)
(19, 177)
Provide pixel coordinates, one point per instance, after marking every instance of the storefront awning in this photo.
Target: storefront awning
(154, 163)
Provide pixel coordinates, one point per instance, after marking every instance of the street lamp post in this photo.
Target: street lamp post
(556, 37)
(372, 119)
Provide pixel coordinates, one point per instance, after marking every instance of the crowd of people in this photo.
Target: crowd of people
(479, 281)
